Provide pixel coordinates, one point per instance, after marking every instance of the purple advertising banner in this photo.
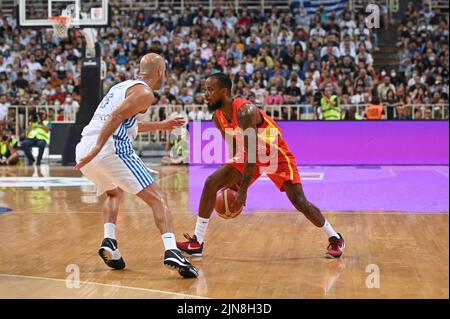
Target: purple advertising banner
(342, 142)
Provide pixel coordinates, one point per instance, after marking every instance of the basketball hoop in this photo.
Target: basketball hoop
(61, 25)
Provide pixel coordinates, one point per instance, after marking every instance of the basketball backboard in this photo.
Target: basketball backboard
(83, 13)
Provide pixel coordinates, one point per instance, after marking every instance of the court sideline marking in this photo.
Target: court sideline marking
(108, 285)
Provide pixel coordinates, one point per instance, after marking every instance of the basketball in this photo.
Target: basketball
(224, 199)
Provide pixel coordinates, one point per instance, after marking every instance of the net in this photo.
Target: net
(61, 26)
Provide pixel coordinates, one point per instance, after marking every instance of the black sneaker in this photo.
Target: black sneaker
(110, 254)
(173, 259)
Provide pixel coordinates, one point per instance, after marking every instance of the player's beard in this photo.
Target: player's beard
(215, 106)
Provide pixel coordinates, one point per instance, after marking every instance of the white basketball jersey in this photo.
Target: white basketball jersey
(127, 131)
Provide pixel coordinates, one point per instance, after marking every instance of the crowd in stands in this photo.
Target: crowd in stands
(423, 56)
(273, 57)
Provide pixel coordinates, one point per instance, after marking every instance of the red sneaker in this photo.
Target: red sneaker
(191, 247)
(336, 247)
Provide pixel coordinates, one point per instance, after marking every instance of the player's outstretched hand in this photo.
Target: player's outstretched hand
(92, 154)
(171, 124)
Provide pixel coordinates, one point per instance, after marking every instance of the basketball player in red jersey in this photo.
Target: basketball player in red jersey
(239, 115)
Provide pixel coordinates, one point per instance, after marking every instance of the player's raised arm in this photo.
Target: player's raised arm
(166, 125)
(247, 119)
(139, 97)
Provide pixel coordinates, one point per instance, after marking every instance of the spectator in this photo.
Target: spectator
(384, 87)
(317, 32)
(363, 56)
(383, 14)
(278, 80)
(122, 57)
(58, 95)
(21, 82)
(428, 114)
(2, 63)
(33, 67)
(348, 23)
(329, 50)
(390, 102)
(418, 114)
(302, 18)
(364, 79)
(426, 13)
(60, 117)
(411, 13)
(274, 97)
(401, 94)
(234, 52)
(186, 97)
(243, 19)
(4, 105)
(292, 93)
(347, 47)
(196, 114)
(206, 52)
(403, 113)
(70, 107)
(39, 81)
(351, 114)
(310, 60)
(362, 36)
(51, 115)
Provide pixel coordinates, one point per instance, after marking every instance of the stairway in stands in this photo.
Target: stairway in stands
(387, 56)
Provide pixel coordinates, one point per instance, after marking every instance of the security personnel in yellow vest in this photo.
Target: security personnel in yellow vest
(179, 152)
(330, 105)
(8, 151)
(37, 136)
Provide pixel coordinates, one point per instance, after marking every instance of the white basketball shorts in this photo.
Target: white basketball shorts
(109, 170)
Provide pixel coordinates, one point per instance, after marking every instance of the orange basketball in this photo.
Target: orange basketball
(224, 199)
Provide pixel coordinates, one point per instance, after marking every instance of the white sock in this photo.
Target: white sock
(109, 230)
(169, 241)
(330, 230)
(200, 228)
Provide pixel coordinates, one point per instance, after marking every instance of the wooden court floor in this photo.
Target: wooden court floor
(54, 232)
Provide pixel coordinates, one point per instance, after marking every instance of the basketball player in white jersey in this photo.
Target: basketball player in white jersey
(105, 155)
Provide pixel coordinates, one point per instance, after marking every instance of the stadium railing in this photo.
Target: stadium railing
(19, 115)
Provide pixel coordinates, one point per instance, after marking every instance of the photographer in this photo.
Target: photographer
(8, 150)
(37, 136)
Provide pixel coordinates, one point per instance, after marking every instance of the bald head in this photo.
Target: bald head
(152, 70)
(150, 63)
